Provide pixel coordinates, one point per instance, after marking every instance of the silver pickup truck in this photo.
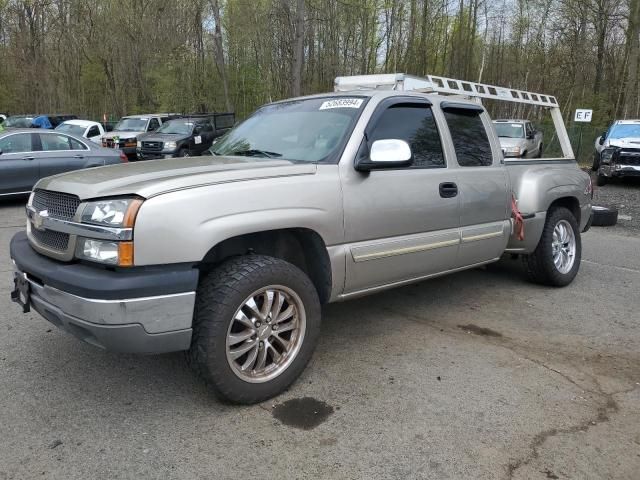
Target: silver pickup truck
(519, 138)
(229, 257)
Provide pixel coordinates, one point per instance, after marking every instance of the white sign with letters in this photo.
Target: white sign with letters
(583, 115)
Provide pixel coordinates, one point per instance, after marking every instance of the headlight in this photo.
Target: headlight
(169, 145)
(515, 150)
(139, 144)
(112, 213)
(104, 251)
(606, 155)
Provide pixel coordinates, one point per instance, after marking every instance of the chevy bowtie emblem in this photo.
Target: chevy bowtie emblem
(38, 219)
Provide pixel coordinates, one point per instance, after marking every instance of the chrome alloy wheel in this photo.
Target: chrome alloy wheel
(265, 334)
(563, 246)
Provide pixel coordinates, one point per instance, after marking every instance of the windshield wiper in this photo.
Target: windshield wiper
(256, 153)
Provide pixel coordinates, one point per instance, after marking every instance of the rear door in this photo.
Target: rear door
(60, 153)
(18, 164)
(399, 225)
(482, 184)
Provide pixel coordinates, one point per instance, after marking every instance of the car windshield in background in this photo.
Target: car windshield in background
(131, 125)
(18, 122)
(509, 130)
(70, 128)
(310, 130)
(177, 127)
(625, 130)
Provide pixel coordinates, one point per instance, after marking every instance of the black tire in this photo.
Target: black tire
(601, 180)
(540, 151)
(604, 216)
(596, 162)
(539, 265)
(220, 294)
(184, 152)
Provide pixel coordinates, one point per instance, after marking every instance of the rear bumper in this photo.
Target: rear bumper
(105, 308)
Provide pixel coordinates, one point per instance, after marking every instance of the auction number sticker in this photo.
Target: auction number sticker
(342, 103)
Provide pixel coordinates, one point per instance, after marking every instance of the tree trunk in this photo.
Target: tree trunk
(218, 51)
(298, 50)
(632, 97)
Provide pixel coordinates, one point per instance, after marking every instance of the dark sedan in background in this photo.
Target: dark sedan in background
(27, 155)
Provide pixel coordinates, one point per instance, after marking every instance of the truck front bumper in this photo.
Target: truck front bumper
(621, 170)
(144, 310)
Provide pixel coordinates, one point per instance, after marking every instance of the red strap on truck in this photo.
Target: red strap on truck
(518, 221)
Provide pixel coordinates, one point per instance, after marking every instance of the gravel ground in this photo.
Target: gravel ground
(624, 194)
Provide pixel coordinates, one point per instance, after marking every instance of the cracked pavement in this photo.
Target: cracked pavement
(477, 375)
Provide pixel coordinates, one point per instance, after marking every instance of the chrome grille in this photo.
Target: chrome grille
(51, 239)
(58, 205)
(155, 146)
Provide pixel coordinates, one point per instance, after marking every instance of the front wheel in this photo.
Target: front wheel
(556, 259)
(256, 325)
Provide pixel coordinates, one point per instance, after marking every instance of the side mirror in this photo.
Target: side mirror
(601, 139)
(390, 153)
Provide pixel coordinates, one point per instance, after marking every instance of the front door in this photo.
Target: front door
(398, 224)
(18, 166)
(482, 185)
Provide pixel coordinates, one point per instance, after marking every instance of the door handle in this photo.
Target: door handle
(448, 189)
(28, 158)
(78, 156)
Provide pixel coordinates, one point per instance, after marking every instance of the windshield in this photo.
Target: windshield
(625, 130)
(509, 130)
(18, 122)
(72, 129)
(131, 125)
(310, 130)
(181, 127)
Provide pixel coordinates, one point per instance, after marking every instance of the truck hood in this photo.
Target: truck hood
(630, 142)
(122, 134)
(506, 142)
(154, 177)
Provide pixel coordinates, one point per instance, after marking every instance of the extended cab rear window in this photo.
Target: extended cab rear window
(469, 137)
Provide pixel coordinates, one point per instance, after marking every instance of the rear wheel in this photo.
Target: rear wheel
(184, 153)
(601, 180)
(556, 259)
(256, 324)
(540, 151)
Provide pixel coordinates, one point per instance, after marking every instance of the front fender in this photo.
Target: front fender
(182, 226)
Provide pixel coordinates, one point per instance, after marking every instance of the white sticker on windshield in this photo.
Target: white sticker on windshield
(198, 139)
(342, 103)
(516, 125)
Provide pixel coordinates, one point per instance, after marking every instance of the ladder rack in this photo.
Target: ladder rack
(451, 86)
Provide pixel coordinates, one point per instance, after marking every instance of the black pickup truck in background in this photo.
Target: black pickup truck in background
(184, 137)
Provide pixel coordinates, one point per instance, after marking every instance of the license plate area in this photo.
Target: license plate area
(21, 293)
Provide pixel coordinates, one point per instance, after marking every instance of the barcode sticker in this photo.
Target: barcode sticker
(342, 103)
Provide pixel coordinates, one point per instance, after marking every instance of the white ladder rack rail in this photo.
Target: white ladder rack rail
(452, 86)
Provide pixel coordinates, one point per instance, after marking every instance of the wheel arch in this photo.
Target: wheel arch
(302, 247)
(570, 203)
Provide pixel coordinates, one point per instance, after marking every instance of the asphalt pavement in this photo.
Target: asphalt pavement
(478, 375)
